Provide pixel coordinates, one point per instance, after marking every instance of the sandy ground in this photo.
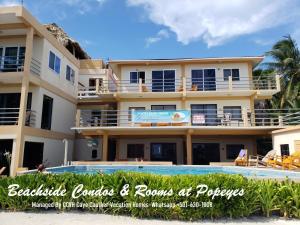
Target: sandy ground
(17, 218)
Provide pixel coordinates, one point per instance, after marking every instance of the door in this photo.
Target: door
(163, 152)
(47, 113)
(204, 79)
(33, 154)
(209, 112)
(204, 153)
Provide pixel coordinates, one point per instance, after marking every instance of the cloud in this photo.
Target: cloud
(9, 2)
(162, 34)
(217, 21)
(84, 6)
(264, 42)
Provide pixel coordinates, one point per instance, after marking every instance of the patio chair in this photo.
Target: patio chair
(144, 88)
(226, 119)
(242, 159)
(2, 170)
(194, 87)
(180, 89)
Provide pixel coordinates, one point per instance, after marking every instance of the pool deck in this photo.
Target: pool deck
(80, 218)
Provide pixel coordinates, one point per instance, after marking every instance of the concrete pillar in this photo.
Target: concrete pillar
(105, 147)
(17, 157)
(189, 153)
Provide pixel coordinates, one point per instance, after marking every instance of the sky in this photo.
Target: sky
(144, 29)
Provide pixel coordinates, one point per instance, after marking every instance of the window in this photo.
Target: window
(70, 74)
(135, 76)
(235, 111)
(285, 150)
(130, 111)
(135, 150)
(54, 62)
(47, 113)
(234, 73)
(163, 81)
(163, 107)
(233, 150)
(205, 79)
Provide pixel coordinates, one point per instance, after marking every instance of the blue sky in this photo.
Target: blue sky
(127, 29)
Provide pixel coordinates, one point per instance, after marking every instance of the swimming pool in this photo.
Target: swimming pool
(176, 170)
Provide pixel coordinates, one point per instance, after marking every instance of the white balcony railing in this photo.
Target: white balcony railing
(10, 116)
(197, 117)
(178, 85)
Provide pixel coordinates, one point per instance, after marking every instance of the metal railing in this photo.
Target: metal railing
(11, 64)
(10, 116)
(16, 64)
(198, 117)
(178, 85)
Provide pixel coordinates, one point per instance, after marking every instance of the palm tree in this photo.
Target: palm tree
(286, 56)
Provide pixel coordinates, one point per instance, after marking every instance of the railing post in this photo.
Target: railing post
(132, 115)
(140, 85)
(97, 85)
(230, 83)
(245, 117)
(280, 120)
(277, 78)
(184, 84)
(78, 117)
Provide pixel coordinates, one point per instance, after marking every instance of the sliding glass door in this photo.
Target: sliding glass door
(163, 81)
(12, 58)
(207, 114)
(205, 79)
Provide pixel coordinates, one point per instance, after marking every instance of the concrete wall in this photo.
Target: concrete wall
(288, 137)
(53, 152)
(84, 147)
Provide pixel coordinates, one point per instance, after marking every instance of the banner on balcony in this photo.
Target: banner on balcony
(161, 116)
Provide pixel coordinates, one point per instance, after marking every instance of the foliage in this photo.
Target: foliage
(260, 197)
(286, 62)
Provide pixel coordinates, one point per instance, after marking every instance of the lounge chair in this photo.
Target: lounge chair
(276, 161)
(242, 159)
(292, 161)
(256, 160)
(2, 170)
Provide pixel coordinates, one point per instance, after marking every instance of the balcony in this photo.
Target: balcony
(10, 116)
(185, 87)
(197, 118)
(13, 64)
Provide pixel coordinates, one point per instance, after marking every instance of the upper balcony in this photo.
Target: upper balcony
(184, 87)
(15, 64)
(218, 121)
(10, 116)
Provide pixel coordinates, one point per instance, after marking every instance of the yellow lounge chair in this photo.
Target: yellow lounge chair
(292, 161)
(275, 161)
(242, 159)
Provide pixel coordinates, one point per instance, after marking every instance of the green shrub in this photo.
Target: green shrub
(260, 197)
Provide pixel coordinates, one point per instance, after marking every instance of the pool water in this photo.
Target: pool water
(176, 170)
